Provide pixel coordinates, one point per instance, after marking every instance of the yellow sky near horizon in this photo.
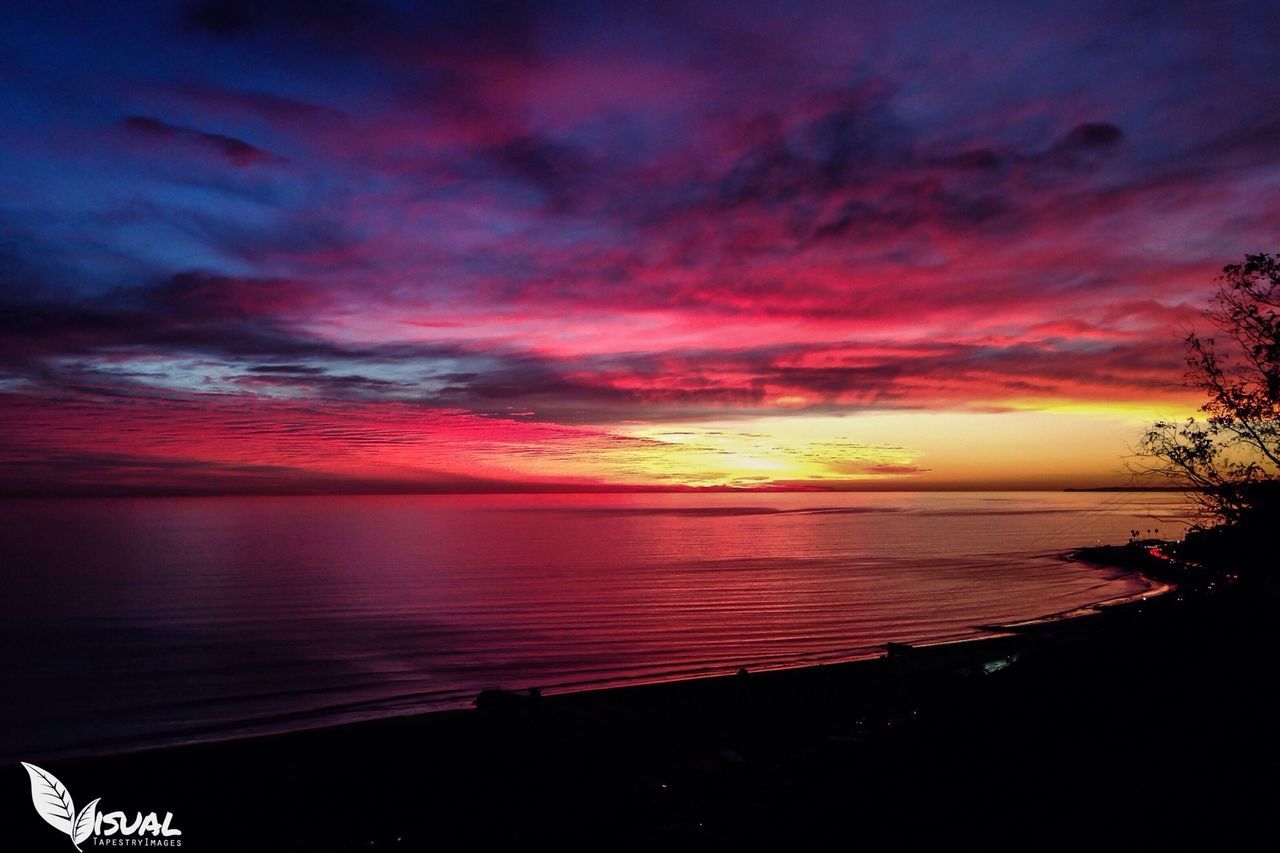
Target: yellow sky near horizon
(1073, 445)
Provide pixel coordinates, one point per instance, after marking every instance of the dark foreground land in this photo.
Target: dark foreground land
(1148, 724)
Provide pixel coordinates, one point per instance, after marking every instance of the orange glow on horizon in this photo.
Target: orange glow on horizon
(185, 445)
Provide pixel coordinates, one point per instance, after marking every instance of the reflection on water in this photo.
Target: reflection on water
(132, 622)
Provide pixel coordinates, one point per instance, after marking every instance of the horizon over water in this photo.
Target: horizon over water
(135, 622)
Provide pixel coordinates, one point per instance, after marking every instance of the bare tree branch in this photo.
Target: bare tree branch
(1227, 458)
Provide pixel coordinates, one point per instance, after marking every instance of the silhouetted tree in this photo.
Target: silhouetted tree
(1231, 457)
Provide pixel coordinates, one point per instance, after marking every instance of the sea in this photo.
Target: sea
(134, 623)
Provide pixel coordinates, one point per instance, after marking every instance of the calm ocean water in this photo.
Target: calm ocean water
(142, 622)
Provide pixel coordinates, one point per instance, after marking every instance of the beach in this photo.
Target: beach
(1141, 721)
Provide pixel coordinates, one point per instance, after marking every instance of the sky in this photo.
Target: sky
(489, 246)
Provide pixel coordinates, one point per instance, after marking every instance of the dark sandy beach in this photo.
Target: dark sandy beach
(1142, 722)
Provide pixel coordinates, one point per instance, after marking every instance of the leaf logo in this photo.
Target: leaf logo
(53, 803)
(83, 827)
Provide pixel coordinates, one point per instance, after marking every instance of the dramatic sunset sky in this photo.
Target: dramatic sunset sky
(311, 246)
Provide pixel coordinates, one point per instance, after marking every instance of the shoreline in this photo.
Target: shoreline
(958, 647)
(775, 754)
